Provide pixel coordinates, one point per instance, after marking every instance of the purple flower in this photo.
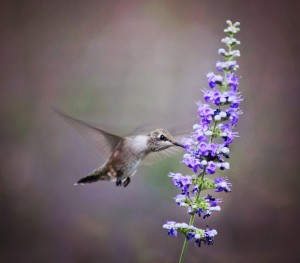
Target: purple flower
(234, 100)
(223, 165)
(181, 200)
(172, 232)
(191, 162)
(224, 150)
(208, 95)
(170, 226)
(209, 235)
(214, 79)
(205, 111)
(199, 132)
(215, 96)
(199, 212)
(213, 202)
(195, 189)
(227, 65)
(181, 181)
(212, 149)
(218, 98)
(207, 214)
(208, 238)
(229, 54)
(203, 148)
(188, 144)
(211, 167)
(176, 179)
(190, 235)
(232, 80)
(186, 181)
(233, 115)
(222, 184)
(227, 133)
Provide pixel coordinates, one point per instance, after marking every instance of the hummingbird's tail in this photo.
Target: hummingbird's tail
(96, 175)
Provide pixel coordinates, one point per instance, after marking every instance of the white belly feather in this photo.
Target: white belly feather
(138, 146)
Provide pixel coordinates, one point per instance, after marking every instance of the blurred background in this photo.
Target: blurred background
(129, 63)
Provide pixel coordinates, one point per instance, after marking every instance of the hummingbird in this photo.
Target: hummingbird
(124, 154)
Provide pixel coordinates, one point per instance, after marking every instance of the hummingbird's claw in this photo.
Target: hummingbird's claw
(118, 182)
(126, 182)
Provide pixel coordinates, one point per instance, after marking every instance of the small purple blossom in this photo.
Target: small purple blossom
(219, 98)
(227, 133)
(190, 235)
(233, 115)
(186, 181)
(212, 148)
(203, 148)
(205, 112)
(232, 81)
(209, 235)
(182, 182)
(223, 165)
(199, 132)
(213, 202)
(222, 184)
(229, 54)
(208, 95)
(181, 200)
(234, 100)
(188, 144)
(172, 232)
(199, 211)
(227, 65)
(207, 239)
(170, 226)
(191, 162)
(195, 189)
(211, 167)
(214, 79)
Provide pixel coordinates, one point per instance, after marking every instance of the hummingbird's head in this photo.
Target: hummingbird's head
(161, 139)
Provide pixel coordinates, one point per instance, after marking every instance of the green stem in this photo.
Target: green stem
(192, 218)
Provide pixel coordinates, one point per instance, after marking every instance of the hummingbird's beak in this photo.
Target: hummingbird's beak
(178, 144)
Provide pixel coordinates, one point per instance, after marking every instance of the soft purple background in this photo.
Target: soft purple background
(125, 64)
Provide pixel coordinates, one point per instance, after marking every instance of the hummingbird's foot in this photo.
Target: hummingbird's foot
(119, 181)
(126, 182)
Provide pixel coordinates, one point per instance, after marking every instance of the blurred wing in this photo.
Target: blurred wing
(182, 134)
(105, 141)
(155, 157)
(182, 129)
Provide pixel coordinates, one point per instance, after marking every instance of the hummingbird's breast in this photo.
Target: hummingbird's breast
(138, 144)
(128, 155)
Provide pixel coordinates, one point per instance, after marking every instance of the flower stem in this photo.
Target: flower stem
(192, 218)
(197, 199)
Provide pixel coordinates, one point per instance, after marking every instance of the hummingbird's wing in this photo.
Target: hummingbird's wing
(104, 140)
(181, 129)
(155, 157)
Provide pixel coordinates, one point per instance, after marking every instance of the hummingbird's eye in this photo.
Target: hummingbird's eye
(162, 137)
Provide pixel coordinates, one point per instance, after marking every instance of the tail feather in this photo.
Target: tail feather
(93, 177)
(88, 179)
